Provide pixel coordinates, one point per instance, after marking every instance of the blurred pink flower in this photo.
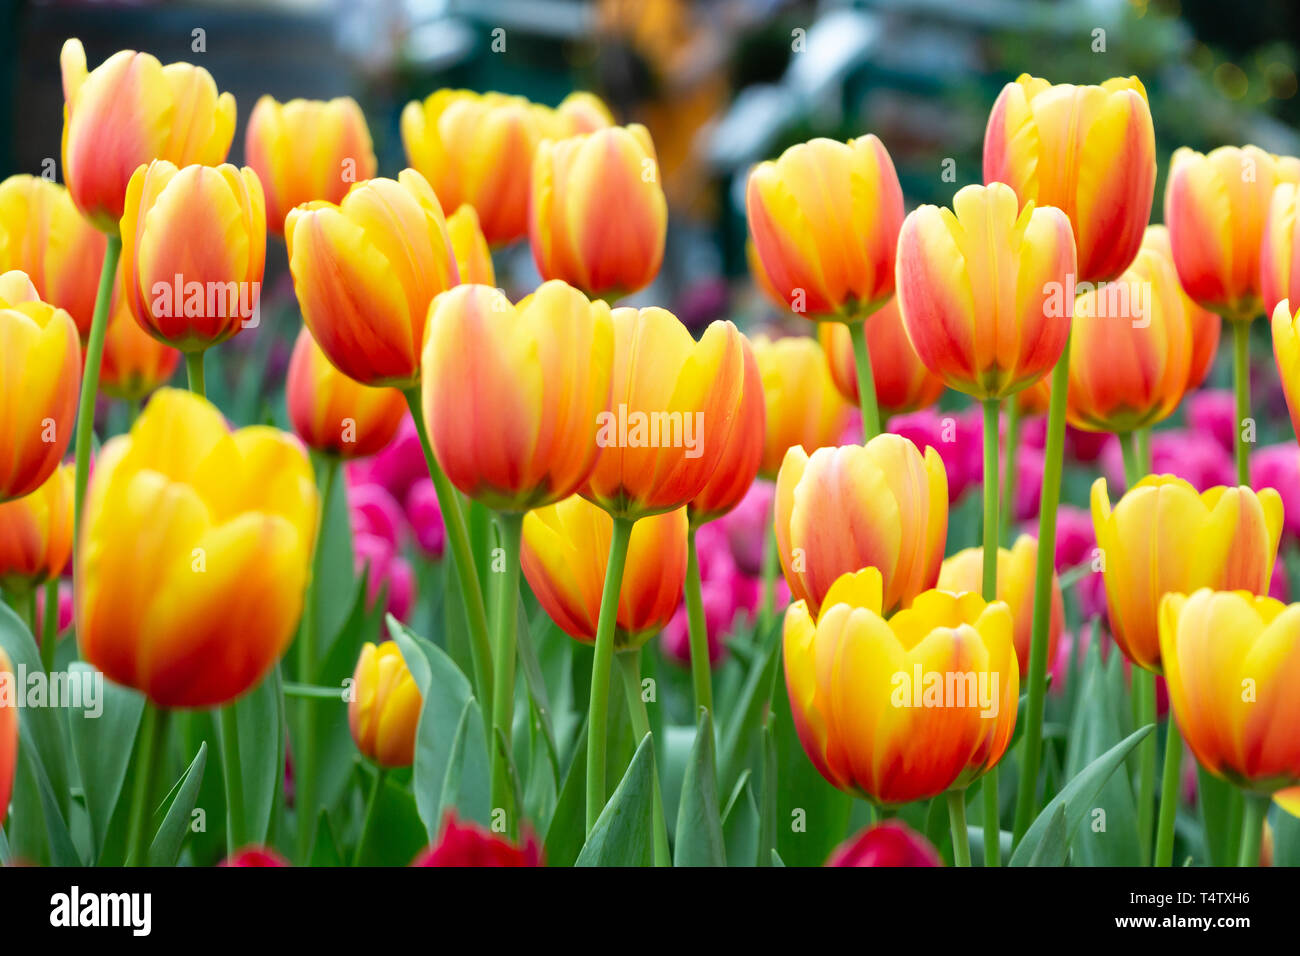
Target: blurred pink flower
(374, 511)
(1279, 588)
(401, 463)
(1191, 455)
(1029, 483)
(957, 437)
(1278, 466)
(1213, 412)
(387, 569)
(65, 608)
(891, 843)
(1076, 540)
(1086, 447)
(746, 526)
(425, 518)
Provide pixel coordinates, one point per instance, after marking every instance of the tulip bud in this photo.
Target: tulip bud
(471, 845)
(255, 856)
(891, 843)
(903, 384)
(580, 112)
(8, 732)
(385, 711)
(1286, 351)
(36, 533)
(742, 454)
(134, 362)
(803, 405)
(470, 246)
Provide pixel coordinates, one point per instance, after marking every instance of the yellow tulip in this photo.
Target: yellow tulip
(384, 712)
(470, 246)
(804, 407)
(1286, 351)
(36, 533)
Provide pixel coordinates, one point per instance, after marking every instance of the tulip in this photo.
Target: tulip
(1205, 325)
(742, 453)
(870, 711)
(373, 511)
(470, 247)
(226, 521)
(580, 112)
(425, 518)
(883, 505)
(8, 732)
(129, 111)
(385, 708)
(38, 386)
(134, 363)
(44, 235)
(804, 407)
(304, 150)
(1090, 151)
(1130, 358)
(1016, 566)
(986, 291)
(254, 856)
(902, 383)
(1279, 254)
(597, 215)
(468, 844)
(564, 559)
(332, 413)
(891, 843)
(365, 271)
(1286, 351)
(36, 534)
(386, 571)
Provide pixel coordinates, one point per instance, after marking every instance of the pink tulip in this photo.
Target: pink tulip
(374, 511)
(1278, 466)
(387, 568)
(1213, 412)
(425, 518)
(747, 525)
(892, 843)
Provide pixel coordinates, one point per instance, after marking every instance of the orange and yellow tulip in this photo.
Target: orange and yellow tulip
(43, 234)
(1286, 351)
(963, 571)
(564, 555)
(987, 290)
(1232, 662)
(333, 414)
(1216, 205)
(36, 533)
(39, 383)
(225, 522)
(129, 111)
(825, 218)
(384, 711)
(672, 403)
(597, 215)
(1089, 151)
(470, 246)
(1131, 356)
(8, 732)
(307, 149)
(580, 112)
(1279, 254)
(1163, 536)
(539, 384)
(193, 251)
(804, 407)
(743, 452)
(134, 363)
(882, 505)
(1205, 325)
(365, 272)
(903, 384)
(906, 708)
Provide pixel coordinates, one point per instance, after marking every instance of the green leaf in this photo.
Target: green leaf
(175, 825)
(776, 859)
(1077, 796)
(102, 747)
(38, 725)
(699, 826)
(740, 824)
(622, 835)
(1286, 838)
(541, 704)
(1054, 847)
(741, 732)
(62, 850)
(259, 716)
(325, 851)
(567, 831)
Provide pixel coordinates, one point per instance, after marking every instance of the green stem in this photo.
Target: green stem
(957, 821)
(1144, 688)
(24, 604)
(149, 756)
(601, 664)
(992, 825)
(305, 771)
(1143, 439)
(630, 665)
(466, 570)
(1241, 382)
(90, 374)
(505, 614)
(194, 373)
(701, 675)
(992, 410)
(1133, 473)
(1027, 790)
(1009, 476)
(1169, 787)
(1252, 827)
(230, 772)
(368, 821)
(767, 605)
(866, 381)
(50, 624)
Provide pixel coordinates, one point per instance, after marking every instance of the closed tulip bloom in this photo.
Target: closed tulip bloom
(1216, 205)
(1279, 254)
(36, 533)
(39, 383)
(365, 272)
(889, 843)
(1163, 536)
(307, 149)
(193, 251)
(672, 404)
(565, 551)
(134, 362)
(43, 234)
(131, 110)
(1090, 151)
(597, 216)
(743, 453)
(903, 384)
(538, 385)
(1286, 351)
(906, 708)
(1130, 360)
(385, 708)
(470, 246)
(225, 522)
(825, 218)
(1232, 663)
(580, 112)
(804, 407)
(1016, 566)
(985, 290)
(883, 505)
(332, 413)
(1205, 325)
(8, 732)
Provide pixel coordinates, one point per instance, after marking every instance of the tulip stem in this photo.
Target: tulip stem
(957, 821)
(601, 665)
(1128, 444)
(1169, 785)
(1027, 790)
(149, 755)
(367, 823)
(23, 603)
(90, 375)
(1143, 439)
(1241, 381)
(1008, 514)
(466, 570)
(701, 676)
(1144, 690)
(229, 734)
(50, 624)
(308, 640)
(1252, 827)
(630, 664)
(992, 419)
(505, 614)
(866, 380)
(194, 373)
(767, 607)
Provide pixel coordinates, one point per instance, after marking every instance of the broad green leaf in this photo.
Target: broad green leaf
(325, 851)
(62, 850)
(102, 746)
(259, 716)
(38, 725)
(567, 830)
(1286, 838)
(536, 684)
(1054, 847)
(398, 833)
(812, 817)
(621, 836)
(699, 825)
(740, 824)
(741, 731)
(170, 835)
